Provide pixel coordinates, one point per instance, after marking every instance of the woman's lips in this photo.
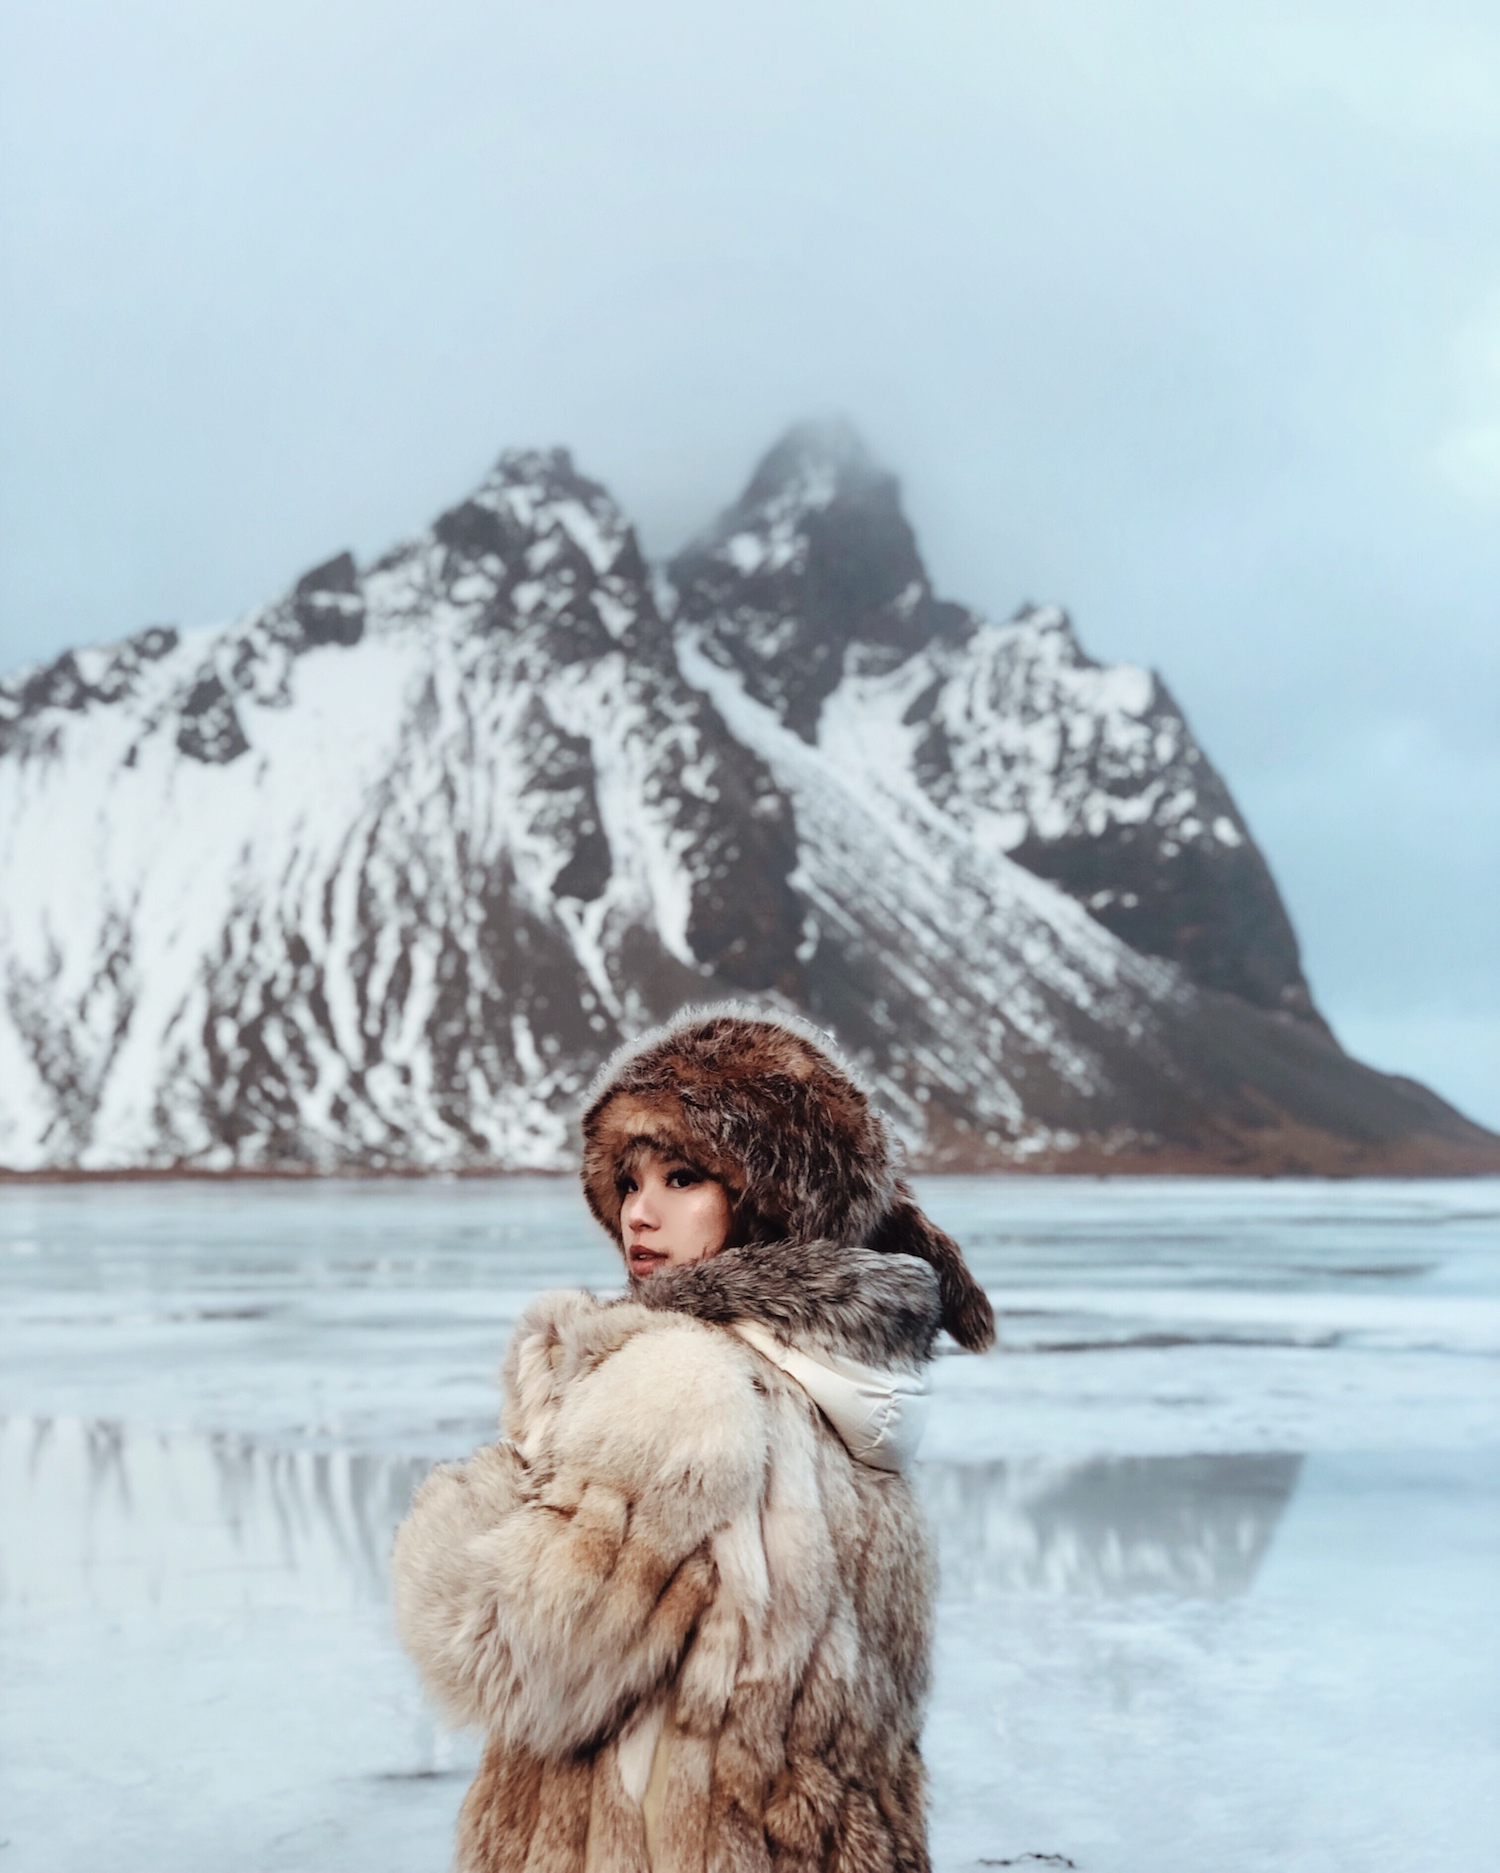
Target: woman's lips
(644, 1261)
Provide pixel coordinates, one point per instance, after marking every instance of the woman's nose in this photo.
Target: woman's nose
(640, 1213)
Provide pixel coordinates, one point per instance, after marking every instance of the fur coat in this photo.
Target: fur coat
(693, 1626)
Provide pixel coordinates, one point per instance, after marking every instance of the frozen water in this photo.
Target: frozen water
(1220, 1521)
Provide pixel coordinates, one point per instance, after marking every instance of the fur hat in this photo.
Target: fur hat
(763, 1104)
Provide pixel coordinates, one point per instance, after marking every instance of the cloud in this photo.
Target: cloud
(1467, 455)
(1431, 69)
(1468, 458)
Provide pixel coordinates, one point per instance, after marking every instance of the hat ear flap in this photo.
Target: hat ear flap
(904, 1230)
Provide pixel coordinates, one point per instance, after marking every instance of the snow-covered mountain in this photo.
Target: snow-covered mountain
(375, 875)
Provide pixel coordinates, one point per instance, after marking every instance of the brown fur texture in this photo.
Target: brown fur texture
(880, 1308)
(670, 1539)
(765, 1105)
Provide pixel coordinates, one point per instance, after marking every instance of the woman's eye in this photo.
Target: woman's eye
(684, 1179)
(625, 1186)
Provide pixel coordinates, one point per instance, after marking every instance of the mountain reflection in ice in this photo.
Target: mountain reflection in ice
(1181, 1525)
(97, 1514)
(100, 1515)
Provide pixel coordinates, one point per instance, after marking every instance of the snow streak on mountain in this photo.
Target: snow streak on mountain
(377, 875)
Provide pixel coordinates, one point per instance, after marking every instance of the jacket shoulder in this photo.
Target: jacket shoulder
(675, 1406)
(558, 1334)
(642, 1400)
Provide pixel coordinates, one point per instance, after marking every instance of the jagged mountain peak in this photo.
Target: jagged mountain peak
(542, 488)
(819, 461)
(814, 564)
(535, 513)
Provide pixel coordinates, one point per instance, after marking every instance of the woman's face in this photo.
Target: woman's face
(670, 1214)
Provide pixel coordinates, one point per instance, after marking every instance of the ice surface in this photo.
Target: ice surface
(1219, 1521)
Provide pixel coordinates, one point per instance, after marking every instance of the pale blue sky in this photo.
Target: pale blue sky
(1186, 316)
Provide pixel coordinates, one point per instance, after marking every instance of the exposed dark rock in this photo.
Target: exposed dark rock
(112, 674)
(209, 729)
(328, 605)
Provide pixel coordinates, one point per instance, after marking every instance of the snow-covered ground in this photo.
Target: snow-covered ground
(1220, 1520)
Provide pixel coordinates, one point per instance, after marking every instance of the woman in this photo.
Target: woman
(688, 1595)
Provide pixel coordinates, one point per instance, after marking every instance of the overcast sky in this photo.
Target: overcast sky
(1185, 316)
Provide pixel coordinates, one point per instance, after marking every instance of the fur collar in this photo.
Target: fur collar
(867, 1305)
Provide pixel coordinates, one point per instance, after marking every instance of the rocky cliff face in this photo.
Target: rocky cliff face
(810, 591)
(376, 875)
